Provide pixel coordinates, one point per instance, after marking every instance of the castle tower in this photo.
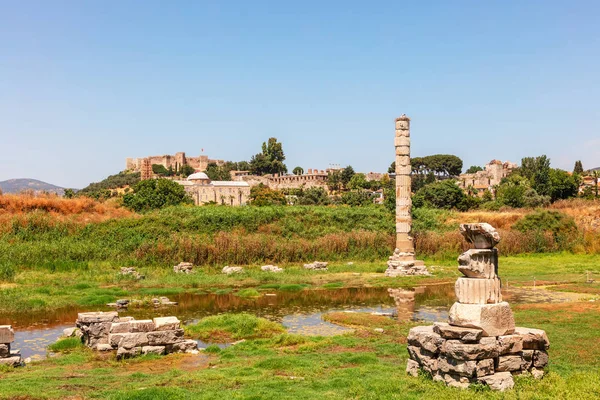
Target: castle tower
(146, 170)
(403, 262)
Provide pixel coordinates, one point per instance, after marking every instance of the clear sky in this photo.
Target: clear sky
(85, 84)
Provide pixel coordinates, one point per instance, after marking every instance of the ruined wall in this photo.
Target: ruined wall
(493, 173)
(176, 161)
(226, 195)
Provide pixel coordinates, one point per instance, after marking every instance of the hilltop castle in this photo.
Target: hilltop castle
(171, 161)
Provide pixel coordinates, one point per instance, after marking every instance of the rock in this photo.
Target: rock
(378, 330)
(533, 339)
(317, 265)
(412, 368)
(426, 359)
(466, 335)
(122, 303)
(161, 338)
(166, 302)
(7, 334)
(160, 350)
(123, 353)
(166, 323)
(120, 327)
(144, 325)
(486, 348)
(13, 361)
(232, 270)
(271, 268)
(131, 271)
(425, 337)
(128, 340)
(87, 318)
(537, 373)
(104, 347)
(499, 381)
(28, 360)
(99, 329)
(493, 319)
(185, 346)
(508, 344)
(481, 235)
(527, 358)
(183, 268)
(478, 291)
(540, 358)
(69, 332)
(512, 363)
(479, 263)
(457, 381)
(450, 365)
(125, 319)
(4, 349)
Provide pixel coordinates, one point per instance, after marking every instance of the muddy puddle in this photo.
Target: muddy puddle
(300, 312)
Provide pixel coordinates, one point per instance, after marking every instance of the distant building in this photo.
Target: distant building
(493, 173)
(203, 190)
(174, 162)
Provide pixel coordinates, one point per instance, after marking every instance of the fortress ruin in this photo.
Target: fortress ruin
(493, 173)
(175, 162)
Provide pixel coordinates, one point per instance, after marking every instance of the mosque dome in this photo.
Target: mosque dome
(198, 176)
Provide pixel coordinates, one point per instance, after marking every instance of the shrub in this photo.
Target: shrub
(7, 272)
(152, 194)
(445, 194)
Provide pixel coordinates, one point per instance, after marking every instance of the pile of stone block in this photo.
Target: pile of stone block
(317, 265)
(131, 271)
(106, 331)
(480, 343)
(403, 264)
(271, 268)
(8, 356)
(183, 268)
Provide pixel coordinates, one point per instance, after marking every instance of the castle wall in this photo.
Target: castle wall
(176, 161)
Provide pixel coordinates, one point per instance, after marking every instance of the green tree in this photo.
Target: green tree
(262, 195)
(334, 181)
(152, 194)
(270, 160)
(357, 198)
(443, 194)
(392, 168)
(68, 194)
(511, 190)
(595, 175)
(537, 170)
(578, 168)
(160, 170)
(474, 168)
(186, 170)
(346, 175)
(563, 185)
(313, 196)
(298, 171)
(358, 181)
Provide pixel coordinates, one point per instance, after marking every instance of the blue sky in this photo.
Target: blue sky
(85, 84)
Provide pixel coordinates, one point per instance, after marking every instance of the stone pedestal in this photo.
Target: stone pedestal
(480, 343)
(8, 356)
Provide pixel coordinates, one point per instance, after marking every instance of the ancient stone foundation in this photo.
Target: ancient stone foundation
(8, 356)
(480, 343)
(106, 331)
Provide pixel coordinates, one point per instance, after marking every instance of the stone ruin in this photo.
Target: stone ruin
(106, 331)
(480, 343)
(227, 270)
(317, 265)
(131, 271)
(183, 268)
(8, 356)
(271, 268)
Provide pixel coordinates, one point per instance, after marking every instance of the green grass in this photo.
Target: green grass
(66, 344)
(227, 327)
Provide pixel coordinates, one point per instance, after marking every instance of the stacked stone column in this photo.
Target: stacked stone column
(480, 343)
(8, 356)
(403, 262)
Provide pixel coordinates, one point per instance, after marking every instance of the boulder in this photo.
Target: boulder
(533, 339)
(540, 358)
(104, 347)
(160, 350)
(510, 363)
(478, 291)
(123, 353)
(481, 235)
(493, 319)
(457, 381)
(184, 268)
(128, 340)
(486, 348)
(13, 361)
(166, 323)
(4, 349)
(317, 265)
(100, 329)
(510, 344)
(466, 335)
(426, 359)
(425, 337)
(412, 368)
(232, 270)
(161, 338)
(479, 263)
(500, 381)
(473, 368)
(184, 346)
(69, 332)
(7, 334)
(527, 358)
(271, 268)
(144, 325)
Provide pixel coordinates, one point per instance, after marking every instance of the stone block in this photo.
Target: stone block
(425, 337)
(99, 329)
(128, 340)
(402, 141)
(479, 263)
(144, 325)
(402, 124)
(478, 291)
(510, 344)
(161, 338)
(527, 358)
(4, 349)
(120, 327)
(426, 359)
(166, 323)
(87, 318)
(11, 361)
(412, 368)
(466, 335)
(7, 334)
(123, 353)
(125, 319)
(471, 368)
(512, 362)
(500, 381)
(481, 235)
(486, 348)
(183, 346)
(160, 350)
(540, 358)
(104, 347)
(456, 381)
(493, 319)
(533, 339)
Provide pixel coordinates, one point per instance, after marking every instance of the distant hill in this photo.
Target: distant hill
(19, 185)
(122, 179)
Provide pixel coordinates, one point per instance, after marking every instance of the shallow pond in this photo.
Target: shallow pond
(299, 311)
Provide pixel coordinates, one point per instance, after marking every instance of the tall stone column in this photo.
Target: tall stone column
(403, 261)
